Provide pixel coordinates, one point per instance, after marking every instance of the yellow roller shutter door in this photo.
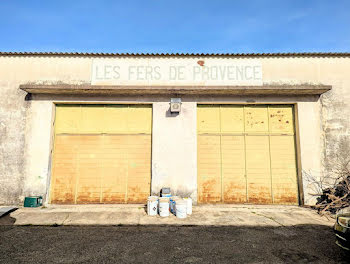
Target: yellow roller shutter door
(102, 154)
(246, 154)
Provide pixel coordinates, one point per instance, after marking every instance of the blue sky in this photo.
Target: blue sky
(216, 26)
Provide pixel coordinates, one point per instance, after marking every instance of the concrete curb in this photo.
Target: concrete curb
(136, 215)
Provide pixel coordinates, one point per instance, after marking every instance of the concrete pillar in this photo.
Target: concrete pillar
(310, 148)
(174, 149)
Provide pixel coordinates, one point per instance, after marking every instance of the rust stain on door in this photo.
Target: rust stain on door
(246, 154)
(105, 163)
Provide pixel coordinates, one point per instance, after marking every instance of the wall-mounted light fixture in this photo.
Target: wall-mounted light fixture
(175, 105)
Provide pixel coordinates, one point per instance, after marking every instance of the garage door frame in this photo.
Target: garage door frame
(296, 136)
(49, 185)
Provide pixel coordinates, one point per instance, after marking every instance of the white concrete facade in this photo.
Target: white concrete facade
(26, 125)
(174, 149)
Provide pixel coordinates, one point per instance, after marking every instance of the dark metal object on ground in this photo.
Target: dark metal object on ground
(342, 229)
(6, 210)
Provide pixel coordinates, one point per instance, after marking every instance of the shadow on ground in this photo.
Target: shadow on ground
(7, 220)
(169, 244)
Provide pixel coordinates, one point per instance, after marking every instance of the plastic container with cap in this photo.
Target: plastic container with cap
(181, 208)
(164, 206)
(152, 205)
(173, 200)
(189, 205)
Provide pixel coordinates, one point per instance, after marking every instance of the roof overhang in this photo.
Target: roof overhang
(162, 90)
(239, 55)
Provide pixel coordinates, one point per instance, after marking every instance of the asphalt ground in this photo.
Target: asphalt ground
(169, 244)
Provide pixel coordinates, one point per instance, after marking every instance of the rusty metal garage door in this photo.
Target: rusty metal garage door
(246, 154)
(102, 154)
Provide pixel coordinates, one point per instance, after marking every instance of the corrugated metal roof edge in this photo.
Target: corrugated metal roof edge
(82, 54)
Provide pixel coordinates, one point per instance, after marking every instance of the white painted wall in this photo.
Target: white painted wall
(38, 148)
(174, 149)
(25, 126)
(174, 138)
(310, 146)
